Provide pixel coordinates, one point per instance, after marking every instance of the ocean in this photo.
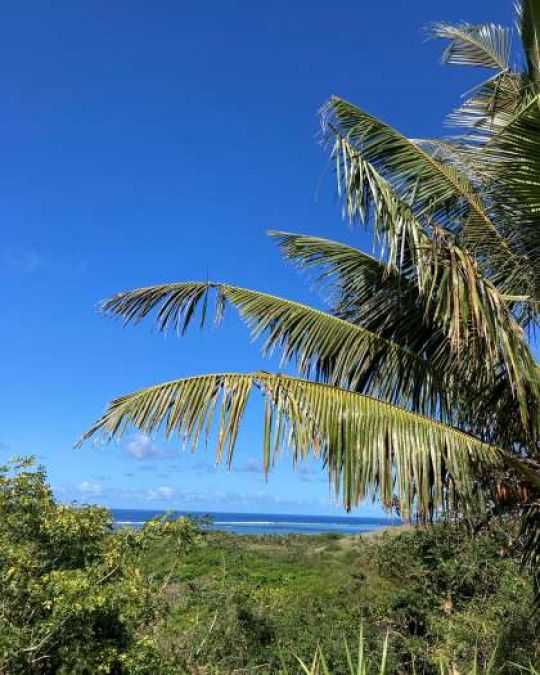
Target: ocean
(263, 523)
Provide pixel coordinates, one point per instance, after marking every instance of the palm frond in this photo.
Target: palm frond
(511, 164)
(323, 346)
(370, 448)
(436, 323)
(487, 46)
(436, 193)
(514, 148)
(513, 158)
(459, 152)
(529, 29)
(369, 197)
(428, 186)
(479, 113)
(367, 292)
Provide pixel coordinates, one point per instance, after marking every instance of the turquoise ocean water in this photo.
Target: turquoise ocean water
(263, 523)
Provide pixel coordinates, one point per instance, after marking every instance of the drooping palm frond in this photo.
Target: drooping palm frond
(436, 193)
(479, 113)
(410, 245)
(369, 197)
(371, 448)
(367, 292)
(486, 46)
(504, 114)
(512, 157)
(429, 187)
(322, 346)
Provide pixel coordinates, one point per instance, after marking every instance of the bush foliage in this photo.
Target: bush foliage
(73, 597)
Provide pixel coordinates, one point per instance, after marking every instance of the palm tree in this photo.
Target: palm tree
(418, 386)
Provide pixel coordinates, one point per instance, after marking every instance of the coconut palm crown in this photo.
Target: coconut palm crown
(418, 386)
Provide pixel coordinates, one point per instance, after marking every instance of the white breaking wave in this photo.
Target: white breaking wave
(246, 522)
(287, 523)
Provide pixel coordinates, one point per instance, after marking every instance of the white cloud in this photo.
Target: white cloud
(164, 495)
(141, 446)
(161, 492)
(90, 488)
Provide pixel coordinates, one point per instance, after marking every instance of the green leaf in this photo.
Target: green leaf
(408, 186)
(321, 345)
(529, 28)
(371, 448)
(486, 46)
(436, 323)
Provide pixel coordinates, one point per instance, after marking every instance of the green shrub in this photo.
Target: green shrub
(456, 598)
(73, 598)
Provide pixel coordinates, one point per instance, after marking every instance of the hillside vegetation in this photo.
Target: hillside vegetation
(250, 604)
(78, 597)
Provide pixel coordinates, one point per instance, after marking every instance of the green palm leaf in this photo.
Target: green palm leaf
(351, 279)
(479, 112)
(371, 448)
(487, 46)
(501, 155)
(430, 187)
(509, 163)
(436, 323)
(529, 28)
(371, 198)
(436, 193)
(323, 346)
(367, 292)
(512, 157)
(415, 251)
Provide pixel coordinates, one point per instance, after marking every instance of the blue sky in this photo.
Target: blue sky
(151, 142)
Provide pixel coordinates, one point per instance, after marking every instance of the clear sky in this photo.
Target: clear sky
(150, 142)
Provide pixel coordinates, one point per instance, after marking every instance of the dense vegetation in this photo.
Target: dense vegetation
(240, 602)
(78, 597)
(73, 598)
